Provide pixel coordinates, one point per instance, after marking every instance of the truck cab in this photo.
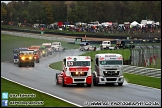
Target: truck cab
(16, 53)
(56, 46)
(37, 52)
(108, 69)
(105, 45)
(48, 47)
(84, 46)
(26, 57)
(76, 70)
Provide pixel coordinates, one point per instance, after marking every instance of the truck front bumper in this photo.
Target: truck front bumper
(78, 80)
(102, 79)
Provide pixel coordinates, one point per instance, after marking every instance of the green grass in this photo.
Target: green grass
(9, 42)
(143, 80)
(13, 88)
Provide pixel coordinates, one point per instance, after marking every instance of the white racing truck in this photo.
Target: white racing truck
(76, 70)
(108, 69)
(48, 47)
(105, 45)
(56, 46)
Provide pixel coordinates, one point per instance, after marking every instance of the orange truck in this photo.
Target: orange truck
(37, 52)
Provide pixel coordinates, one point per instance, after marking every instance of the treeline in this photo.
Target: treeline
(48, 12)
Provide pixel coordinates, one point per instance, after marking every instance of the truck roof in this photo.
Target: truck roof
(83, 58)
(108, 55)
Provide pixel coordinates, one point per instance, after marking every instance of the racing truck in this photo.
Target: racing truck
(108, 69)
(56, 46)
(105, 45)
(48, 47)
(43, 51)
(37, 53)
(76, 70)
(85, 46)
(26, 57)
(16, 53)
(121, 44)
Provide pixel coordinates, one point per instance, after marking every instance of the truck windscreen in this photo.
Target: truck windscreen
(111, 62)
(78, 63)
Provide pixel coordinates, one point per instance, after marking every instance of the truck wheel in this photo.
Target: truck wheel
(120, 84)
(33, 65)
(56, 79)
(88, 85)
(63, 84)
(19, 64)
(107, 48)
(37, 61)
(94, 80)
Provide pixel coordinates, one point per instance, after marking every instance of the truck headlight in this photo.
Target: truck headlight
(22, 58)
(30, 58)
(43, 52)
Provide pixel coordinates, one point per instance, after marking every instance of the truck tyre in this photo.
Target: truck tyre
(19, 64)
(33, 64)
(94, 80)
(120, 84)
(37, 61)
(56, 79)
(88, 85)
(107, 48)
(63, 84)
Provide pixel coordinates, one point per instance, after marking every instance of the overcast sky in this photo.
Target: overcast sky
(5, 1)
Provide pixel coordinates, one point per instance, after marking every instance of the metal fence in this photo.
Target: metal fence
(146, 56)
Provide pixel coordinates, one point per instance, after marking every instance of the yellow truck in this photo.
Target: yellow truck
(26, 58)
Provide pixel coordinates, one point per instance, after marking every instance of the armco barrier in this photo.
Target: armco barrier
(142, 71)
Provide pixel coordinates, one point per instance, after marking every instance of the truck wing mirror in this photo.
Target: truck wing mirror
(91, 60)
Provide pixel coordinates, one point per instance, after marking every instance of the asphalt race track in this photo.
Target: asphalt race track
(41, 77)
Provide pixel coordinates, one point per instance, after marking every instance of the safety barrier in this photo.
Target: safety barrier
(152, 72)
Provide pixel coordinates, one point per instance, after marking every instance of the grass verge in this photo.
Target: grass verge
(46, 100)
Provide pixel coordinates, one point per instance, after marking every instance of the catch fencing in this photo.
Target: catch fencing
(146, 56)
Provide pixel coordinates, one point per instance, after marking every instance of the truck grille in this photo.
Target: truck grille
(26, 58)
(79, 74)
(111, 73)
(110, 79)
(79, 79)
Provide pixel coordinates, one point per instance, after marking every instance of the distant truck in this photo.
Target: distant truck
(85, 46)
(26, 57)
(16, 53)
(108, 69)
(56, 46)
(121, 44)
(37, 51)
(48, 47)
(76, 70)
(105, 45)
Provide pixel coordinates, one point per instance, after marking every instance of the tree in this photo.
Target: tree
(49, 12)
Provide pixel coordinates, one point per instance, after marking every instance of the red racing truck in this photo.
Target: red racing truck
(76, 70)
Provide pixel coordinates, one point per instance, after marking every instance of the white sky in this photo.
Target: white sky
(5, 1)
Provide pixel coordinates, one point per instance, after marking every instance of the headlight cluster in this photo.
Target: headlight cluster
(43, 52)
(78, 73)
(22, 58)
(30, 58)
